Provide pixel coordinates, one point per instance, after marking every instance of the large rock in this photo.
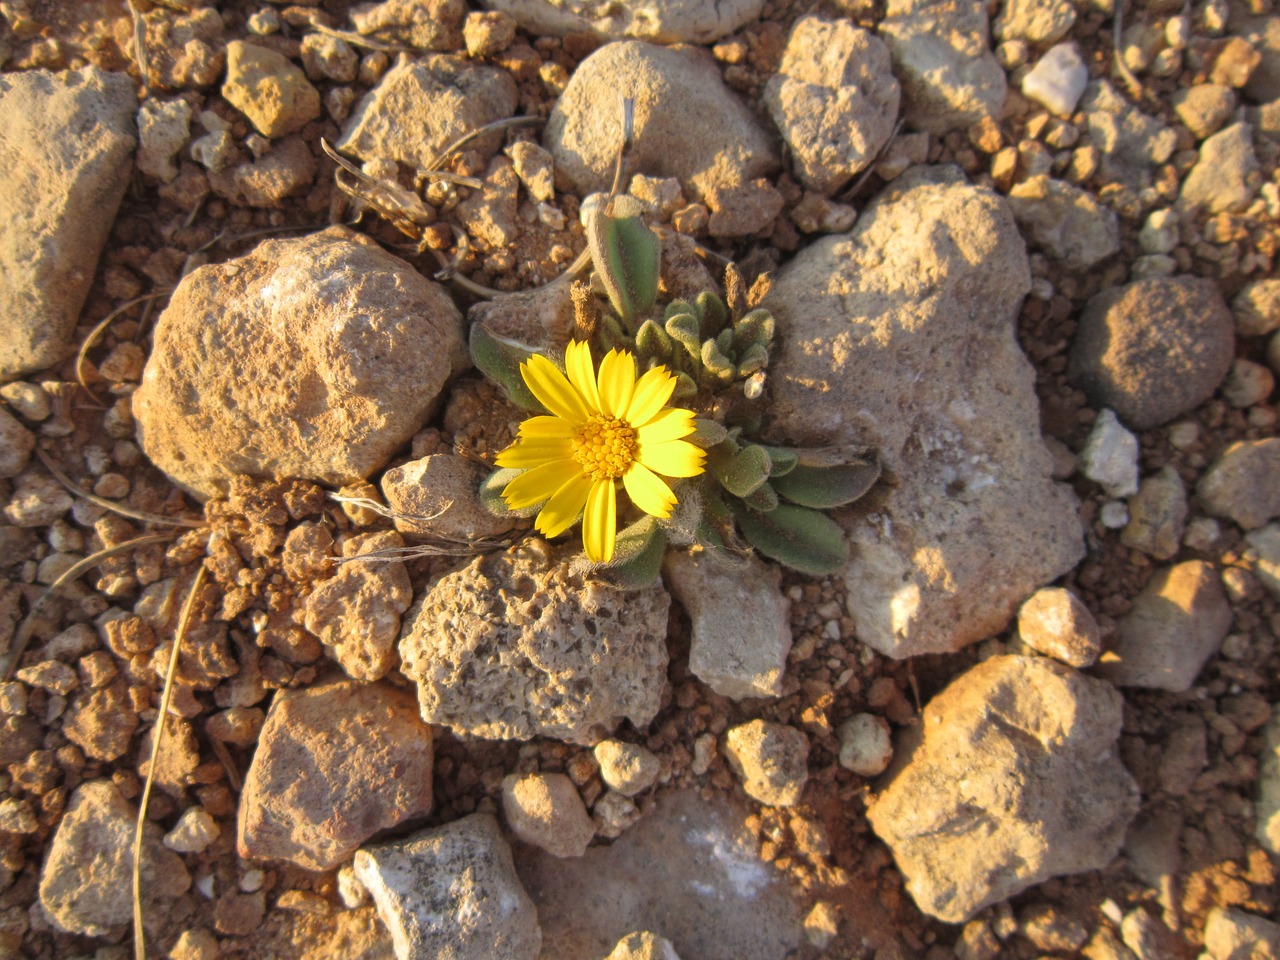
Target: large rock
(66, 148)
(314, 358)
(676, 91)
(899, 336)
(451, 892)
(689, 868)
(1226, 176)
(1240, 485)
(1016, 780)
(520, 644)
(336, 763)
(86, 883)
(942, 56)
(1153, 349)
(659, 21)
(835, 100)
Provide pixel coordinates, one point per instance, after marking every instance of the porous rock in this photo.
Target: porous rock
(1065, 221)
(741, 623)
(545, 809)
(439, 496)
(1240, 485)
(269, 89)
(658, 21)
(989, 802)
(1175, 625)
(86, 882)
(835, 100)
(521, 644)
(451, 891)
(336, 763)
(627, 768)
(1153, 349)
(314, 358)
(771, 759)
(1236, 935)
(64, 191)
(1157, 515)
(16, 444)
(421, 24)
(1036, 21)
(899, 337)
(865, 746)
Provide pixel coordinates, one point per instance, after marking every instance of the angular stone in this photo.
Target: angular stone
(771, 759)
(1110, 456)
(658, 21)
(314, 358)
(1035, 21)
(162, 131)
(1240, 483)
(626, 767)
(834, 99)
(336, 763)
(64, 191)
(1056, 622)
(643, 945)
(1175, 625)
(1130, 142)
(990, 802)
(929, 375)
(421, 24)
(268, 89)
(545, 809)
(1157, 515)
(1065, 221)
(1226, 176)
(1204, 107)
(1058, 80)
(1263, 556)
(741, 623)
(101, 722)
(1236, 935)
(865, 746)
(451, 892)
(439, 496)
(520, 644)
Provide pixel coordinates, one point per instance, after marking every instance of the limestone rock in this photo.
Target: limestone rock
(1263, 34)
(676, 90)
(1175, 625)
(1017, 779)
(1110, 456)
(771, 759)
(86, 883)
(520, 644)
(1204, 107)
(1263, 556)
(1131, 143)
(1226, 176)
(439, 496)
(16, 444)
(337, 762)
(545, 809)
(286, 169)
(1240, 483)
(1153, 349)
(314, 358)
(1058, 80)
(626, 767)
(899, 336)
(835, 100)
(356, 613)
(1065, 221)
(741, 623)
(451, 891)
(865, 746)
(421, 106)
(658, 21)
(1056, 622)
(101, 722)
(194, 831)
(942, 57)
(1257, 308)
(64, 191)
(268, 89)
(162, 132)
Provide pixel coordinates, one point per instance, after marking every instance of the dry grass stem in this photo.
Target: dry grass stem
(83, 355)
(111, 505)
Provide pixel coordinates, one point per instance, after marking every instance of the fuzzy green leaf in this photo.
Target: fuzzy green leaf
(491, 494)
(707, 433)
(724, 342)
(611, 334)
(685, 386)
(712, 311)
(825, 487)
(715, 362)
(637, 555)
(783, 461)
(764, 499)
(625, 255)
(683, 328)
(754, 358)
(678, 306)
(652, 341)
(499, 359)
(756, 327)
(744, 472)
(802, 539)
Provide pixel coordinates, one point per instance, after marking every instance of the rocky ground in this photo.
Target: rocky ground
(1033, 716)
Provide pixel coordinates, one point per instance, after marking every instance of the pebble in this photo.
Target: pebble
(438, 496)
(1110, 456)
(28, 400)
(1065, 221)
(1248, 383)
(239, 914)
(101, 722)
(1058, 80)
(1055, 622)
(16, 444)
(1204, 108)
(163, 128)
(535, 167)
(643, 945)
(13, 698)
(193, 832)
(1226, 175)
(351, 891)
(626, 767)
(196, 943)
(1267, 805)
(1231, 934)
(1158, 515)
(17, 817)
(1235, 63)
(1159, 234)
(50, 675)
(329, 58)
(1130, 143)
(1257, 308)
(865, 745)
(545, 809)
(771, 759)
(1239, 484)
(272, 92)
(1035, 21)
(1263, 556)
(613, 814)
(1175, 625)
(1263, 34)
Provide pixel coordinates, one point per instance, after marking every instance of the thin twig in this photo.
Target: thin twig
(628, 135)
(140, 47)
(359, 40)
(157, 738)
(1132, 82)
(89, 341)
(440, 159)
(111, 505)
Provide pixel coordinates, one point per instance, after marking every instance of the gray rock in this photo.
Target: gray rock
(1247, 384)
(1226, 176)
(675, 90)
(535, 167)
(545, 809)
(1240, 483)
(1267, 806)
(1263, 34)
(990, 801)
(86, 883)
(1235, 935)
(1175, 625)
(1035, 21)
(1257, 308)
(1131, 143)
(741, 623)
(689, 868)
(928, 373)
(64, 191)
(1153, 349)
(658, 21)
(1065, 221)
(421, 106)
(1204, 108)
(626, 767)
(865, 746)
(771, 759)
(314, 358)
(942, 57)
(835, 100)
(451, 891)
(1263, 556)
(1157, 515)
(643, 945)
(439, 496)
(1110, 456)
(1056, 622)
(163, 127)
(16, 444)
(521, 644)
(1058, 80)
(336, 763)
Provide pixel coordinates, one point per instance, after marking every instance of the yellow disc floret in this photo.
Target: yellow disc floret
(605, 447)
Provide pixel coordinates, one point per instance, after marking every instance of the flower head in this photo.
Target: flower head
(601, 429)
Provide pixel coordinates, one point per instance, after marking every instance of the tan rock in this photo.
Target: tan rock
(439, 496)
(545, 809)
(626, 767)
(1240, 483)
(771, 759)
(1056, 622)
(268, 89)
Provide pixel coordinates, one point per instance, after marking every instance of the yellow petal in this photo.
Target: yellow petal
(563, 509)
(617, 382)
(546, 428)
(582, 374)
(675, 458)
(535, 452)
(553, 389)
(540, 483)
(653, 390)
(648, 492)
(671, 424)
(600, 522)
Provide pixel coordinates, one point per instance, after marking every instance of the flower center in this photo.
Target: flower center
(605, 447)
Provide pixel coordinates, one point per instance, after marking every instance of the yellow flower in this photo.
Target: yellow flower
(601, 430)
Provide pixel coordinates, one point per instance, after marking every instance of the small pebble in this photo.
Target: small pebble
(1057, 80)
(1110, 457)
(865, 745)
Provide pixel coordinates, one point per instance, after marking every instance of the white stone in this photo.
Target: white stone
(1057, 80)
(195, 830)
(162, 131)
(1110, 456)
(865, 747)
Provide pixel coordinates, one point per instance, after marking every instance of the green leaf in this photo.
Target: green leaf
(724, 341)
(825, 487)
(756, 327)
(683, 328)
(715, 362)
(765, 499)
(626, 255)
(707, 433)
(802, 539)
(652, 341)
(754, 358)
(744, 472)
(678, 306)
(611, 334)
(783, 461)
(712, 311)
(491, 494)
(685, 386)
(637, 555)
(499, 359)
